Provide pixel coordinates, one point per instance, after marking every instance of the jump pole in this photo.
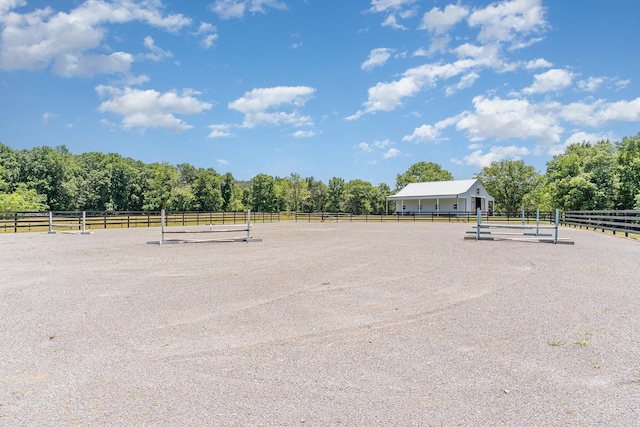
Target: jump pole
(555, 237)
(162, 226)
(248, 225)
(83, 225)
(51, 223)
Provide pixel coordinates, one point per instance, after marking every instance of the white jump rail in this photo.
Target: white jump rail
(189, 233)
(527, 232)
(72, 222)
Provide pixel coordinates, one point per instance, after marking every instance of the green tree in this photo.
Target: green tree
(318, 196)
(335, 194)
(161, 179)
(229, 195)
(358, 197)
(51, 172)
(23, 199)
(127, 185)
(207, 190)
(422, 172)
(298, 192)
(584, 177)
(11, 163)
(379, 199)
(263, 194)
(512, 183)
(181, 199)
(93, 181)
(628, 169)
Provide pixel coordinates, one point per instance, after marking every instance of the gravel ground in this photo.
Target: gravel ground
(321, 324)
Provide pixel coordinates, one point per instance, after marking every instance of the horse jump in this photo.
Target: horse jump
(199, 235)
(76, 221)
(493, 231)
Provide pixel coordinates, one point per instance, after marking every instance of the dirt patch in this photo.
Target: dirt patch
(322, 324)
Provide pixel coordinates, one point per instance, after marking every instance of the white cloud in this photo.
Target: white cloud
(550, 81)
(424, 133)
(388, 96)
(621, 84)
(420, 52)
(510, 118)
(600, 112)
(439, 44)
(7, 5)
(382, 144)
(377, 58)
(386, 5)
(222, 163)
(227, 9)
(465, 82)
(508, 21)
(538, 63)
(391, 153)
(35, 40)
(487, 55)
(621, 111)
(495, 154)
(392, 22)
(578, 138)
(46, 116)
(591, 84)
(220, 131)
(255, 105)
(70, 65)
(157, 54)
(393, 9)
(364, 147)
(208, 33)
(439, 21)
(304, 134)
(145, 109)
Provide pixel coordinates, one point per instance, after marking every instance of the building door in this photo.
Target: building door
(478, 203)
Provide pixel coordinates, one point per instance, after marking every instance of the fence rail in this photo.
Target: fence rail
(623, 221)
(15, 222)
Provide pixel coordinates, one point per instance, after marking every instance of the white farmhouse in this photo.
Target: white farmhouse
(458, 197)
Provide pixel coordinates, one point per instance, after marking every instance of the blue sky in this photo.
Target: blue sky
(323, 88)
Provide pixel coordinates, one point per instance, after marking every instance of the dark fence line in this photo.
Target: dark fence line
(14, 222)
(525, 217)
(623, 221)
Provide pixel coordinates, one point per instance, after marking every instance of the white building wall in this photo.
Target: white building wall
(432, 205)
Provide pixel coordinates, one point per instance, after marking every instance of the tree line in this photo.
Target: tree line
(587, 176)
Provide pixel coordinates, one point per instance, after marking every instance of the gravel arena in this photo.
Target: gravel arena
(320, 324)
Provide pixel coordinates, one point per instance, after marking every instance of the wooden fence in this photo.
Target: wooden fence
(15, 222)
(623, 221)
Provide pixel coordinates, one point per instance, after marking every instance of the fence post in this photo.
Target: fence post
(249, 225)
(51, 222)
(15, 222)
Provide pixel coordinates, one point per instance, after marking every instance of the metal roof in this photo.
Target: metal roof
(435, 189)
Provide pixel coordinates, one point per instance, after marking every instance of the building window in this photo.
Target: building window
(455, 207)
